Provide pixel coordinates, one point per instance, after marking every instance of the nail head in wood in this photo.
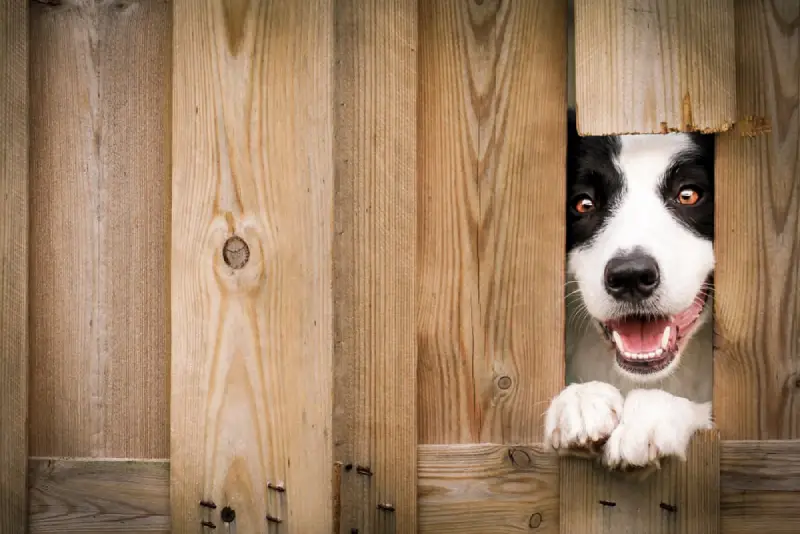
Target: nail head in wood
(607, 503)
(668, 507)
(208, 504)
(273, 519)
(228, 515)
(279, 487)
(361, 470)
(235, 252)
(386, 507)
(208, 524)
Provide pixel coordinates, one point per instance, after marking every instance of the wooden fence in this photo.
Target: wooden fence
(297, 267)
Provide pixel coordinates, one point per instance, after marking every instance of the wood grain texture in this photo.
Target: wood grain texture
(476, 489)
(374, 264)
(14, 251)
(100, 230)
(82, 496)
(757, 304)
(252, 346)
(681, 498)
(654, 66)
(492, 135)
(760, 487)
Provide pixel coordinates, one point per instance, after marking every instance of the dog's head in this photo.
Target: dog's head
(640, 219)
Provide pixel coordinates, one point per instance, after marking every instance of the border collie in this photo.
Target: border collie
(640, 262)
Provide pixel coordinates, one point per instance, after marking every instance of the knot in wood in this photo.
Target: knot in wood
(504, 382)
(535, 521)
(519, 458)
(235, 252)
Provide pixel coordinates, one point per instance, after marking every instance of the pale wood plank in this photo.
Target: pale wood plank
(654, 66)
(683, 497)
(476, 489)
(100, 229)
(14, 250)
(252, 339)
(757, 304)
(760, 487)
(82, 496)
(491, 191)
(374, 264)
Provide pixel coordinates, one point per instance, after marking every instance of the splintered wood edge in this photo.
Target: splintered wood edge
(461, 490)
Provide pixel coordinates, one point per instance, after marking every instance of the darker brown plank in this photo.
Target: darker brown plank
(681, 498)
(374, 253)
(757, 304)
(760, 487)
(100, 212)
(492, 132)
(79, 496)
(14, 250)
(476, 489)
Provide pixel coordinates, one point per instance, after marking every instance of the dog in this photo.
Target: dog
(640, 263)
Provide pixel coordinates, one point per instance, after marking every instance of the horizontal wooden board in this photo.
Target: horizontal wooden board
(467, 489)
(483, 488)
(760, 487)
(83, 496)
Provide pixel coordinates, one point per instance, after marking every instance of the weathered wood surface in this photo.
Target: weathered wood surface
(14, 252)
(654, 67)
(375, 250)
(99, 296)
(492, 134)
(681, 498)
(757, 302)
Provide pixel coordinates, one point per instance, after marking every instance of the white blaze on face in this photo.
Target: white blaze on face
(641, 219)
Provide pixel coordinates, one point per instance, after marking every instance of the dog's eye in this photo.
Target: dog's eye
(583, 204)
(688, 196)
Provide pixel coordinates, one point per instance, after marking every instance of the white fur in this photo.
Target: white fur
(658, 421)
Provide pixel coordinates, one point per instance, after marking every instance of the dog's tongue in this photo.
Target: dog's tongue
(641, 336)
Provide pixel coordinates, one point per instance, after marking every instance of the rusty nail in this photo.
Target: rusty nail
(208, 504)
(361, 470)
(668, 507)
(277, 487)
(386, 507)
(273, 519)
(607, 503)
(208, 524)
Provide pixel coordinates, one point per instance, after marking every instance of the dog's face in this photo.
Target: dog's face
(640, 221)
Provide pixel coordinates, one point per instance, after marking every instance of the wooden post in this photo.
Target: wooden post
(492, 148)
(375, 396)
(654, 67)
(757, 363)
(13, 265)
(252, 207)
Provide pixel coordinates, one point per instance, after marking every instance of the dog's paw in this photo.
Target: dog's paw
(654, 425)
(582, 417)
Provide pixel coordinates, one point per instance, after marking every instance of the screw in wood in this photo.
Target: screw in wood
(208, 504)
(208, 524)
(273, 519)
(279, 487)
(361, 470)
(386, 507)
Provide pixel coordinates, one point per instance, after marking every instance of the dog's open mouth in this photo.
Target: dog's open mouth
(648, 344)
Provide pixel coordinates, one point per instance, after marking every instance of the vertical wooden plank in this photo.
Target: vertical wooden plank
(99, 229)
(492, 127)
(757, 306)
(681, 498)
(654, 66)
(13, 264)
(374, 264)
(251, 265)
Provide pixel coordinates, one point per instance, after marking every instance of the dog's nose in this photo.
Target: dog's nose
(631, 277)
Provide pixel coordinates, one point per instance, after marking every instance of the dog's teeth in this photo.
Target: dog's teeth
(618, 340)
(665, 338)
(659, 352)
